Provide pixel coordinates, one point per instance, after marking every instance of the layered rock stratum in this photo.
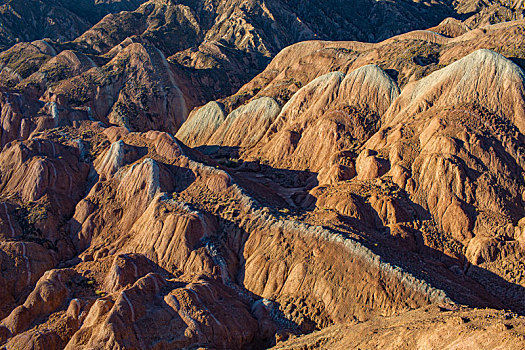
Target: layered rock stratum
(248, 175)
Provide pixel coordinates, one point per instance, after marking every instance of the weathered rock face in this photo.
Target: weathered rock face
(23, 117)
(345, 110)
(174, 238)
(32, 168)
(351, 181)
(49, 294)
(173, 313)
(336, 173)
(138, 186)
(245, 126)
(201, 124)
(483, 76)
(370, 166)
(122, 88)
(22, 265)
(422, 328)
(298, 274)
(45, 180)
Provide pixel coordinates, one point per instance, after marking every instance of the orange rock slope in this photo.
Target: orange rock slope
(351, 195)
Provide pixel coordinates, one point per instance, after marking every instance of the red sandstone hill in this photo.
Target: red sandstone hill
(349, 195)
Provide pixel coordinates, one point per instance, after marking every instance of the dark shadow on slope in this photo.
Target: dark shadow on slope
(279, 189)
(392, 73)
(217, 152)
(465, 284)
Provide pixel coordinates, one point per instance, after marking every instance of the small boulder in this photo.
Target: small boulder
(335, 173)
(369, 166)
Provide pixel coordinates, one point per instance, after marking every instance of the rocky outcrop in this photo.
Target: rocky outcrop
(326, 196)
(451, 27)
(45, 180)
(118, 92)
(172, 313)
(23, 263)
(32, 168)
(482, 329)
(484, 76)
(49, 294)
(245, 126)
(201, 124)
(369, 165)
(174, 237)
(343, 111)
(125, 270)
(22, 116)
(139, 184)
(336, 173)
